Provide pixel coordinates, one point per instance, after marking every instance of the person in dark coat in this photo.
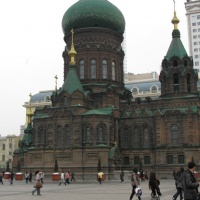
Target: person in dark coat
(179, 185)
(154, 185)
(11, 177)
(30, 176)
(1, 178)
(122, 176)
(190, 184)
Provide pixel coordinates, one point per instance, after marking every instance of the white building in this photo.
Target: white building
(7, 146)
(193, 21)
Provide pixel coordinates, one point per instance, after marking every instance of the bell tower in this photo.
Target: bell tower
(177, 77)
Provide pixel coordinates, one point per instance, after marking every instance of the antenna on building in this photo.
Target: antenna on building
(56, 78)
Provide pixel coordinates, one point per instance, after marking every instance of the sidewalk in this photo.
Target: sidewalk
(82, 191)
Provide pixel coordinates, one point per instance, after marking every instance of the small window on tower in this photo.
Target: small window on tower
(175, 63)
(185, 63)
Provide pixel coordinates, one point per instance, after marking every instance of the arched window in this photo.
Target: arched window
(126, 160)
(93, 69)
(66, 141)
(105, 69)
(147, 160)
(188, 82)
(47, 98)
(181, 159)
(136, 138)
(59, 137)
(135, 90)
(100, 139)
(65, 101)
(113, 71)
(176, 83)
(174, 134)
(82, 69)
(154, 89)
(175, 63)
(126, 138)
(136, 160)
(170, 159)
(87, 134)
(185, 63)
(146, 137)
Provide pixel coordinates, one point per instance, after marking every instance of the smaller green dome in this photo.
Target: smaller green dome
(93, 13)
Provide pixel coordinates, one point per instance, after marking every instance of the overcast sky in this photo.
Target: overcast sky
(31, 46)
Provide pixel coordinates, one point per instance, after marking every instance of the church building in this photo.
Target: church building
(93, 115)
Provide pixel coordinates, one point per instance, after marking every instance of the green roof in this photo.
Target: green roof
(100, 111)
(41, 115)
(72, 82)
(93, 13)
(176, 47)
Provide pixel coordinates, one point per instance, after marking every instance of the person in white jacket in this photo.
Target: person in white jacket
(62, 178)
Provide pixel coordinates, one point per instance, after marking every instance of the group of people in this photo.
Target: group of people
(67, 177)
(185, 181)
(153, 184)
(28, 176)
(186, 184)
(10, 179)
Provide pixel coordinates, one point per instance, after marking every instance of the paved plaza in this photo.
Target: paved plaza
(81, 190)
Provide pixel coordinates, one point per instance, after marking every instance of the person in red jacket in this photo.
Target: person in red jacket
(67, 177)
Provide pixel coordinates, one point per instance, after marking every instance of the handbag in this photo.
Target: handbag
(38, 185)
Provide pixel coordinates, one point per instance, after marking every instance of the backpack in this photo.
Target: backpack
(138, 191)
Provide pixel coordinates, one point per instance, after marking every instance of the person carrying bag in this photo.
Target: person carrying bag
(38, 183)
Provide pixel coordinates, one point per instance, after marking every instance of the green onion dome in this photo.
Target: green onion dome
(93, 13)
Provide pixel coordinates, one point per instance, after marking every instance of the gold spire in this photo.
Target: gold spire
(175, 20)
(56, 78)
(29, 110)
(72, 51)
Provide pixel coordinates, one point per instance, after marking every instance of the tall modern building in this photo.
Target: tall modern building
(193, 20)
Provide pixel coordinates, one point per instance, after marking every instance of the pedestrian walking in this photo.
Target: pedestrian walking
(146, 175)
(72, 176)
(67, 177)
(11, 177)
(30, 176)
(174, 174)
(141, 176)
(26, 175)
(122, 176)
(100, 176)
(179, 184)
(154, 185)
(135, 182)
(62, 178)
(190, 185)
(42, 177)
(1, 178)
(38, 183)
